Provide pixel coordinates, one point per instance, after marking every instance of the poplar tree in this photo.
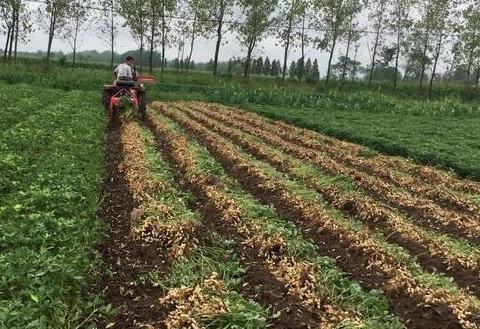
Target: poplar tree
(352, 36)
(292, 72)
(135, 14)
(441, 21)
(378, 17)
(468, 48)
(108, 25)
(399, 20)
(292, 12)
(256, 25)
(197, 26)
(79, 14)
(267, 66)
(16, 24)
(218, 12)
(332, 21)
(53, 15)
(315, 73)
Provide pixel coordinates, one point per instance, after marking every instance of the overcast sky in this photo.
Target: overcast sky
(204, 49)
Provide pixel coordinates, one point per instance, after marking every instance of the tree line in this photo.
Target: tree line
(421, 33)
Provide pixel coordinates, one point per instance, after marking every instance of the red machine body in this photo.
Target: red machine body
(134, 91)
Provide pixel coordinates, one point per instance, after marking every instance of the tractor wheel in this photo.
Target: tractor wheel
(142, 106)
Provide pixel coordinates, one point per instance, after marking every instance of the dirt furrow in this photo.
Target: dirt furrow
(423, 211)
(294, 282)
(432, 253)
(418, 305)
(124, 257)
(420, 177)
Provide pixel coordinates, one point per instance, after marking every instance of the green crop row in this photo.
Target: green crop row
(52, 167)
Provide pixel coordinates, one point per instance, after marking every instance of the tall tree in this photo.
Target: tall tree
(399, 20)
(378, 17)
(267, 66)
(167, 8)
(254, 27)
(135, 14)
(258, 66)
(292, 72)
(198, 24)
(293, 12)
(314, 74)
(16, 23)
(332, 20)
(218, 12)
(301, 33)
(468, 46)
(158, 18)
(352, 36)
(77, 18)
(53, 15)
(274, 71)
(108, 25)
(307, 69)
(441, 16)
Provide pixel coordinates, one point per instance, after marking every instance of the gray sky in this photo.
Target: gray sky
(204, 49)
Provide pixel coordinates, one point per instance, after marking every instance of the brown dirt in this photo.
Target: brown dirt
(258, 283)
(126, 259)
(354, 263)
(466, 278)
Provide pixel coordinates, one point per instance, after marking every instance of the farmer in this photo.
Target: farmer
(125, 71)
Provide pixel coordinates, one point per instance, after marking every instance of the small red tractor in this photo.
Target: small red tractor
(132, 91)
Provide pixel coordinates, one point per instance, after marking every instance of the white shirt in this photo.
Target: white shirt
(124, 71)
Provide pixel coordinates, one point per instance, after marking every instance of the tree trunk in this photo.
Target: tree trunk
(219, 37)
(397, 55)
(349, 40)
(302, 46)
(287, 42)
(75, 38)
(178, 57)
(437, 55)
(332, 50)
(51, 33)
(162, 66)
(74, 51)
(469, 66)
(152, 45)
(397, 59)
(375, 47)
(192, 43)
(477, 79)
(183, 56)
(6, 45)
(17, 32)
(354, 71)
(248, 61)
(112, 36)
(425, 47)
(12, 35)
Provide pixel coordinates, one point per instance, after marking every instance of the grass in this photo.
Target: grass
(52, 167)
(441, 133)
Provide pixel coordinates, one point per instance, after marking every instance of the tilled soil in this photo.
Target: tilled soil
(126, 259)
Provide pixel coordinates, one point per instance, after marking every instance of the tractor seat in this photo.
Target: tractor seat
(125, 83)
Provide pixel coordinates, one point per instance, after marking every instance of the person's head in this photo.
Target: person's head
(129, 61)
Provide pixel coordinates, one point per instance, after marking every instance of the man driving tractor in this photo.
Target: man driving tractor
(125, 71)
(127, 86)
